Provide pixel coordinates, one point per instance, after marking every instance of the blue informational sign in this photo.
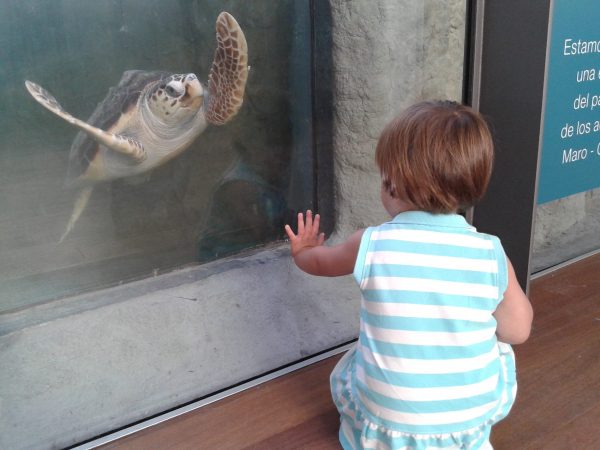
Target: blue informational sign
(570, 160)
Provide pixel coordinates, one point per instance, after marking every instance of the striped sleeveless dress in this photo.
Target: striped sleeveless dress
(427, 371)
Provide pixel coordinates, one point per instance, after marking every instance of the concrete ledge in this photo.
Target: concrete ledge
(106, 359)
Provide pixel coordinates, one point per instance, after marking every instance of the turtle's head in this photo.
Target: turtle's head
(177, 96)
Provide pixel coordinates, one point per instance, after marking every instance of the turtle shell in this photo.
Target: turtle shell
(119, 101)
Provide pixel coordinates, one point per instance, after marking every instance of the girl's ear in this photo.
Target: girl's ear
(389, 187)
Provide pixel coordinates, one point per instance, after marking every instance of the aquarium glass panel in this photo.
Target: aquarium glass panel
(565, 229)
(82, 210)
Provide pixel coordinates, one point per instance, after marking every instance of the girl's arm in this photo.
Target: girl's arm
(313, 257)
(514, 314)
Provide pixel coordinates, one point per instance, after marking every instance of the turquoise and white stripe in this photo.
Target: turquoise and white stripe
(427, 362)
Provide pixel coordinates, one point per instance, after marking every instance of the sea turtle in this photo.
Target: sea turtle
(152, 116)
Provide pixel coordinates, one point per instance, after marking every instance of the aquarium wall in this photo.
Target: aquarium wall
(231, 188)
(175, 283)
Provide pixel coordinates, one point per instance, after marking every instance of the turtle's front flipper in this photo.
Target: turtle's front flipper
(118, 143)
(46, 99)
(80, 204)
(229, 71)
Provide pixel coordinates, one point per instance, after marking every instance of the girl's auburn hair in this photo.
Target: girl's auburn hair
(437, 156)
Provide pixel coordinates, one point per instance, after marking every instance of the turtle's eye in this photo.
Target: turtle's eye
(171, 91)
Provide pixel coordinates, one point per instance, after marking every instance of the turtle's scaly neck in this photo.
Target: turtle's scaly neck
(178, 133)
(164, 141)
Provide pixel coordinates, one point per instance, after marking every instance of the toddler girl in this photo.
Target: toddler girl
(432, 368)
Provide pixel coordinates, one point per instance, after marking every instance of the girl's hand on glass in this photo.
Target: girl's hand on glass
(308, 233)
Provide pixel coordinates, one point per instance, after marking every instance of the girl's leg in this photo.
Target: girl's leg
(341, 385)
(349, 436)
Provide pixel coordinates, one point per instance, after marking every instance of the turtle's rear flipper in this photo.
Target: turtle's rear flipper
(127, 146)
(80, 204)
(229, 71)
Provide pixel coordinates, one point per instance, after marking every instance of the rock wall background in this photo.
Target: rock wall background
(415, 52)
(565, 229)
